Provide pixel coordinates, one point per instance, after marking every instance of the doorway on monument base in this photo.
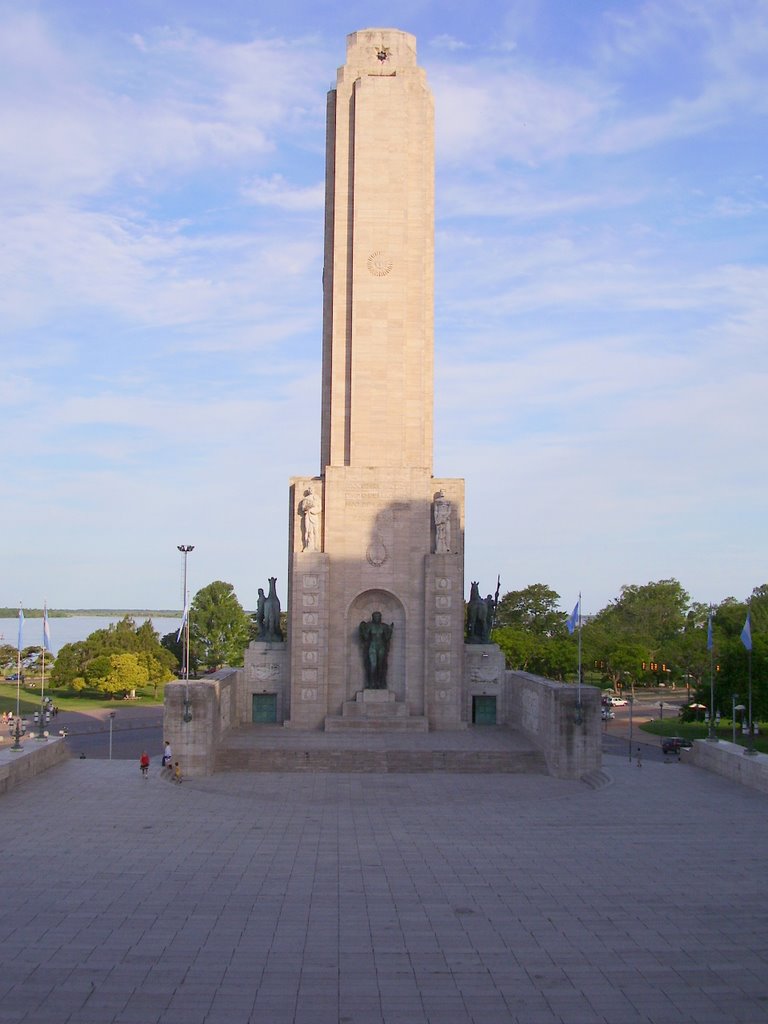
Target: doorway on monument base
(484, 710)
(264, 708)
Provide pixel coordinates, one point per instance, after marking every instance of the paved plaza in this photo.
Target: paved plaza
(397, 898)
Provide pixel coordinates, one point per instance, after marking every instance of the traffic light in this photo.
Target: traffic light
(643, 666)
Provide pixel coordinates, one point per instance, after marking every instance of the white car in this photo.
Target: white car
(618, 702)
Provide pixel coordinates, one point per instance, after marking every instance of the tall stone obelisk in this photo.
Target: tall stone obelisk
(375, 531)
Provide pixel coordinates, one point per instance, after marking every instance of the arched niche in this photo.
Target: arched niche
(361, 609)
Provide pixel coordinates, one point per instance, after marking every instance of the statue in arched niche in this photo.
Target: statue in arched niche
(375, 637)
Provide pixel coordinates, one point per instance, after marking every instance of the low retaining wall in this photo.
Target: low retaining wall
(36, 756)
(546, 712)
(211, 706)
(729, 759)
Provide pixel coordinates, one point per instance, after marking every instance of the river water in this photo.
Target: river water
(76, 627)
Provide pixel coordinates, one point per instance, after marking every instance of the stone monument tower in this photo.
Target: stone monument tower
(376, 545)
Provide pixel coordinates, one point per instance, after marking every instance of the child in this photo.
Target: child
(144, 764)
(177, 773)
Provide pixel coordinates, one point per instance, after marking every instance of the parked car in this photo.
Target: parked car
(674, 744)
(618, 702)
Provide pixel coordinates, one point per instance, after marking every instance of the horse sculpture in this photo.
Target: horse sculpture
(272, 631)
(477, 617)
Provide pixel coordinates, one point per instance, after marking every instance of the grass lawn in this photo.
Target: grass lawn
(29, 699)
(700, 731)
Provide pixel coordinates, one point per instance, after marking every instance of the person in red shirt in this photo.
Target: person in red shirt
(144, 764)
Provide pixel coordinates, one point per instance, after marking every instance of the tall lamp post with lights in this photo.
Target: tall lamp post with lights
(185, 550)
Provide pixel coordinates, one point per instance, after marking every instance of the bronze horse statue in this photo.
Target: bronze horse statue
(272, 631)
(477, 617)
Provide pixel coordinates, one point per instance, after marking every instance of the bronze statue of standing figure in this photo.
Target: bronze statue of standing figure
(375, 637)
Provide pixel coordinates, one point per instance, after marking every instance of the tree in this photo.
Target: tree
(535, 608)
(125, 673)
(218, 626)
(76, 661)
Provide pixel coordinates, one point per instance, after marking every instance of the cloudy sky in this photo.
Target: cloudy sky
(601, 288)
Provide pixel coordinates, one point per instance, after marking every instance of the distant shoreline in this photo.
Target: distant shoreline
(68, 613)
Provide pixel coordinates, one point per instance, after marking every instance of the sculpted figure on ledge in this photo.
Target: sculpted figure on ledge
(375, 637)
(441, 512)
(309, 510)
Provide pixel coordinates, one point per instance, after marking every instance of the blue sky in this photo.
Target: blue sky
(601, 289)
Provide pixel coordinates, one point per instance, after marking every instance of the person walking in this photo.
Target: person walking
(168, 756)
(639, 758)
(144, 764)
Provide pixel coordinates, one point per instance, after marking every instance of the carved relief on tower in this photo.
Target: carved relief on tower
(379, 263)
(376, 553)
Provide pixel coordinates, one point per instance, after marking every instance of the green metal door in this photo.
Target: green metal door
(484, 710)
(265, 708)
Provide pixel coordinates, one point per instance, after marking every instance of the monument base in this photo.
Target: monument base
(375, 710)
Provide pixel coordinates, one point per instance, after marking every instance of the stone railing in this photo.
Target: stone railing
(36, 756)
(546, 712)
(196, 716)
(729, 759)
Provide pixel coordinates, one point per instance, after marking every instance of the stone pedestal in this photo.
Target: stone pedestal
(266, 671)
(375, 710)
(484, 675)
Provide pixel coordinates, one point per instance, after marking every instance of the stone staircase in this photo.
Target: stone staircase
(257, 752)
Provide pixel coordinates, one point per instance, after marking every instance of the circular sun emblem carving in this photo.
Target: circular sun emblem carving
(376, 554)
(379, 263)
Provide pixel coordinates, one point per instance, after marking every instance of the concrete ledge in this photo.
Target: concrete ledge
(729, 759)
(545, 712)
(16, 766)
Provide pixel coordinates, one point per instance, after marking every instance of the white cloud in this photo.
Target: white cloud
(447, 42)
(276, 191)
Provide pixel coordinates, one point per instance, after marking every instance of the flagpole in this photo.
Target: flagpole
(17, 733)
(751, 744)
(18, 661)
(41, 731)
(746, 639)
(578, 692)
(712, 737)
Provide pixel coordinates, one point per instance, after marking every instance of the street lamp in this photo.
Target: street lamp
(111, 720)
(631, 700)
(185, 550)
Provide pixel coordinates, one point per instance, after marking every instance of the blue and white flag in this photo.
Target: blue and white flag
(710, 642)
(46, 629)
(183, 621)
(746, 633)
(573, 619)
(20, 644)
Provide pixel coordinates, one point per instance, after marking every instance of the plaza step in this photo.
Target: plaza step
(275, 759)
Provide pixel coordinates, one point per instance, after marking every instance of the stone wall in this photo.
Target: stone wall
(546, 712)
(729, 759)
(196, 716)
(16, 766)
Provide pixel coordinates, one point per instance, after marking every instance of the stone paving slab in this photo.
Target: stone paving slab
(399, 899)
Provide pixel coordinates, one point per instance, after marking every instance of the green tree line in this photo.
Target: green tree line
(649, 635)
